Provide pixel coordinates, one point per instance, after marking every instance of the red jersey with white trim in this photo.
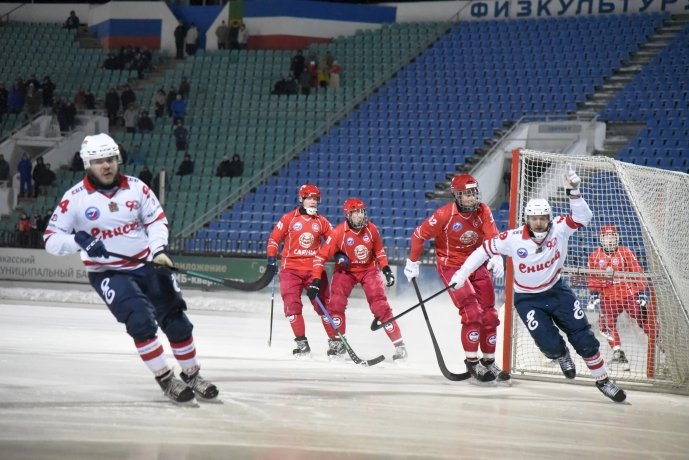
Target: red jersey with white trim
(364, 247)
(621, 260)
(538, 266)
(129, 221)
(457, 234)
(302, 235)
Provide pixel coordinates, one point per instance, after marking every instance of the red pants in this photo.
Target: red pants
(610, 310)
(293, 283)
(476, 304)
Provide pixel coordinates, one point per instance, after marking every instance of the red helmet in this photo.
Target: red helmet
(351, 205)
(608, 229)
(465, 184)
(309, 191)
(609, 238)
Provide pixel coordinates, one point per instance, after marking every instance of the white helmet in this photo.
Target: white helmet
(538, 207)
(99, 146)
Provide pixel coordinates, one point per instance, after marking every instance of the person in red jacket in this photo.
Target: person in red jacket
(616, 295)
(302, 230)
(357, 247)
(458, 228)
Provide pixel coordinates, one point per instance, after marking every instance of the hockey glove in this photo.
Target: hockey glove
(92, 246)
(341, 259)
(572, 182)
(161, 258)
(411, 270)
(272, 261)
(314, 288)
(496, 265)
(594, 302)
(389, 277)
(642, 302)
(459, 278)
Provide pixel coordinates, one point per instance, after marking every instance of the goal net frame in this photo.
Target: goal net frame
(646, 205)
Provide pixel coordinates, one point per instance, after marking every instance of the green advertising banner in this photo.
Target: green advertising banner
(244, 270)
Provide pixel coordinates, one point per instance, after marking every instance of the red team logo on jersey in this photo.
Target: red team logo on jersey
(469, 238)
(361, 252)
(503, 235)
(306, 240)
(132, 205)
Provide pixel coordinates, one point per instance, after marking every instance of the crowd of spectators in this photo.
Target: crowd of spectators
(308, 73)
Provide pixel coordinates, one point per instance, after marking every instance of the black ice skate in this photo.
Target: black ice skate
(501, 376)
(479, 373)
(610, 389)
(567, 365)
(618, 357)
(303, 349)
(202, 387)
(174, 388)
(336, 350)
(401, 354)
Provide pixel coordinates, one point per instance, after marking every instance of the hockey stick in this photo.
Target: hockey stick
(239, 285)
(272, 302)
(355, 358)
(441, 362)
(375, 325)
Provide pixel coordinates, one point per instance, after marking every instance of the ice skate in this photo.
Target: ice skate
(610, 389)
(480, 375)
(202, 387)
(618, 357)
(567, 365)
(501, 377)
(175, 389)
(303, 349)
(336, 350)
(400, 355)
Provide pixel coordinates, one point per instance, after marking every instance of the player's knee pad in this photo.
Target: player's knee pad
(584, 342)
(489, 319)
(177, 326)
(141, 326)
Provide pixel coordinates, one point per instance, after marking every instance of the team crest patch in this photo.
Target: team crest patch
(291, 318)
(492, 340)
(389, 327)
(601, 263)
(366, 239)
(316, 228)
(522, 252)
(476, 223)
(132, 205)
(349, 241)
(473, 336)
(92, 213)
(306, 240)
(457, 226)
(615, 261)
(469, 238)
(113, 206)
(361, 252)
(297, 226)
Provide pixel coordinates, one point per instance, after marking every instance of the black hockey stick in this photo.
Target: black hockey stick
(375, 325)
(259, 284)
(441, 362)
(355, 358)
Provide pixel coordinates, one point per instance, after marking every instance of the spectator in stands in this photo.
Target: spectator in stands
(3, 100)
(90, 100)
(15, 99)
(191, 39)
(243, 37)
(146, 176)
(137, 157)
(181, 134)
(131, 118)
(335, 70)
(158, 101)
(169, 99)
(127, 97)
(184, 88)
(80, 99)
(24, 231)
(305, 82)
(48, 91)
(72, 21)
(145, 124)
(35, 235)
(178, 109)
(291, 86)
(77, 163)
(47, 215)
(66, 115)
(124, 153)
(236, 166)
(186, 167)
(33, 101)
(180, 33)
(280, 87)
(223, 169)
(24, 169)
(37, 175)
(4, 169)
(234, 35)
(112, 104)
(297, 65)
(323, 73)
(222, 33)
(44, 178)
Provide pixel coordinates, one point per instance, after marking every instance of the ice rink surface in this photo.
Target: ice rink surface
(72, 387)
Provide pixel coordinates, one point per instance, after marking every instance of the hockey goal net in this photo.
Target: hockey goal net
(647, 207)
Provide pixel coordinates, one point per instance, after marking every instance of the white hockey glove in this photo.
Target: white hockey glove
(642, 302)
(411, 270)
(594, 302)
(161, 258)
(496, 265)
(459, 278)
(572, 181)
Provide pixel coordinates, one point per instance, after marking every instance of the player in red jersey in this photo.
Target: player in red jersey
(301, 230)
(358, 248)
(613, 295)
(458, 228)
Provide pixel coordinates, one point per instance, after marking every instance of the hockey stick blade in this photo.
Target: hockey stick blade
(375, 325)
(257, 285)
(350, 351)
(439, 356)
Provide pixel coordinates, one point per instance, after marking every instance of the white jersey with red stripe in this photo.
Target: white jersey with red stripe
(129, 221)
(537, 266)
